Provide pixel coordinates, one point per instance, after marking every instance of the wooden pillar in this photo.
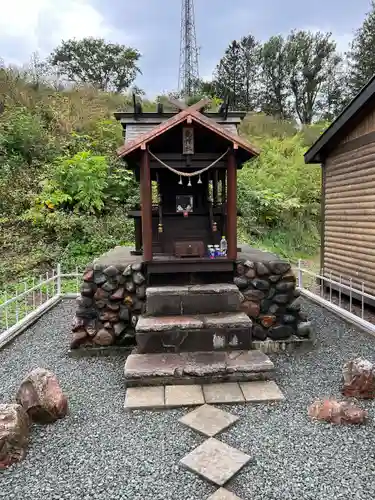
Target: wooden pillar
(215, 187)
(146, 206)
(232, 206)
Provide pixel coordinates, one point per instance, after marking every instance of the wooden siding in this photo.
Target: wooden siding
(366, 125)
(349, 215)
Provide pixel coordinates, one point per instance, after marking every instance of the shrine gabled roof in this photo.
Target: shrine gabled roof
(186, 114)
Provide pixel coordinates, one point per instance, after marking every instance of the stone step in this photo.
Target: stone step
(196, 368)
(209, 332)
(192, 299)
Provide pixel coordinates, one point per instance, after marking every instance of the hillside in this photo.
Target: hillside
(65, 196)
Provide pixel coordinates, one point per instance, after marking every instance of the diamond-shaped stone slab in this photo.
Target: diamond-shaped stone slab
(259, 392)
(229, 392)
(208, 420)
(215, 461)
(183, 395)
(223, 494)
(144, 398)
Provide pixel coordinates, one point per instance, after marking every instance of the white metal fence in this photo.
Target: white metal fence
(349, 301)
(22, 305)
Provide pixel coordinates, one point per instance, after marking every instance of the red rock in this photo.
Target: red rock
(89, 275)
(119, 294)
(78, 338)
(335, 412)
(359, 379)
(14, 434)
(41, 396)
(101, 294)
(252, 309)
(112, 316)
(267, 321)
(104, 338)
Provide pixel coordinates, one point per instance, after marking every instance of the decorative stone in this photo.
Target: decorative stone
(98, 267)
(294, 306)
(99, 278)
(262, 269)
(128, 271)
(119, 328)
(259, 333)
(111, 271)
(91, 328)
(137, 266)
(281, 332)
(260, 284)
(289, 276)
(119, 294)
(101, 294)
(208, 420)
(107, 325)
(250, 273)
(41, 397)
(128, 300)
(14, 434)
(183, 395)
(104, 338)
(250, 308)
(78, 323)
(215, 461)
(273, 309)
(138, 278)
(288, 319)
(101, 304)
(111, 316)
(241, 282)
(285, 286)
(89, 275)
(359, 379)
(241, 269)
(274, 278)
(88, 289)
(296, 294)
(267, 321)
(113, 306)
(255, 295)
(109, 286)
(332, 411)
(134, 320)
(279, 267)
(141, 292)
(78, 338)
(84, 301)
(259, 392)
(83, 312)
(124, 314)
(249, 264)
(271, 293)
(281, 299)
(304, 329)
(225, 393)
(265, 306)
(129, 286)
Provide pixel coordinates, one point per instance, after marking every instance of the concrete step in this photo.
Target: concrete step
(196, 368)
(192, 299)
(209, 332)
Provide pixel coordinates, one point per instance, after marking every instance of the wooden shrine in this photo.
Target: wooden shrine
(186, 163)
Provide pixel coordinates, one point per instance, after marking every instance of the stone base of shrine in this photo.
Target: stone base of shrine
(196, 368)
(290, 345)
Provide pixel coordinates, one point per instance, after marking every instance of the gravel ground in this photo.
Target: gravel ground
(101, 452)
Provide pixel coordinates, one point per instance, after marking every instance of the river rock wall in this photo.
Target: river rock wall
(112, 298)
(269, 299)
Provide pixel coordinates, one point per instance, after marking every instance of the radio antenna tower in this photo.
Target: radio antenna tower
(189, 71)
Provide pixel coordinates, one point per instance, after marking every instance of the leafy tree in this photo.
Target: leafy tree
(312, 59)
(361, 55)
(106, 66)
(249, 54)
(276, 93)
(230, 73)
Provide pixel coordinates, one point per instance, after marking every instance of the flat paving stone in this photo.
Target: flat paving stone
(208, 420)
(215, 461)
(229, 392)
(223, 494)
(183, 395)
(248, 361)
(258, 392)
(143, 398)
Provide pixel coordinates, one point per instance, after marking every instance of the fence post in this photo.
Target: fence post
(58, 280)
(300, 273)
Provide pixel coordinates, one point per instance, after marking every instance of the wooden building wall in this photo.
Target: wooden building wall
(348, 241)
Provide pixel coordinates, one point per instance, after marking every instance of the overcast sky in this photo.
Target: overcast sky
(153, 26)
